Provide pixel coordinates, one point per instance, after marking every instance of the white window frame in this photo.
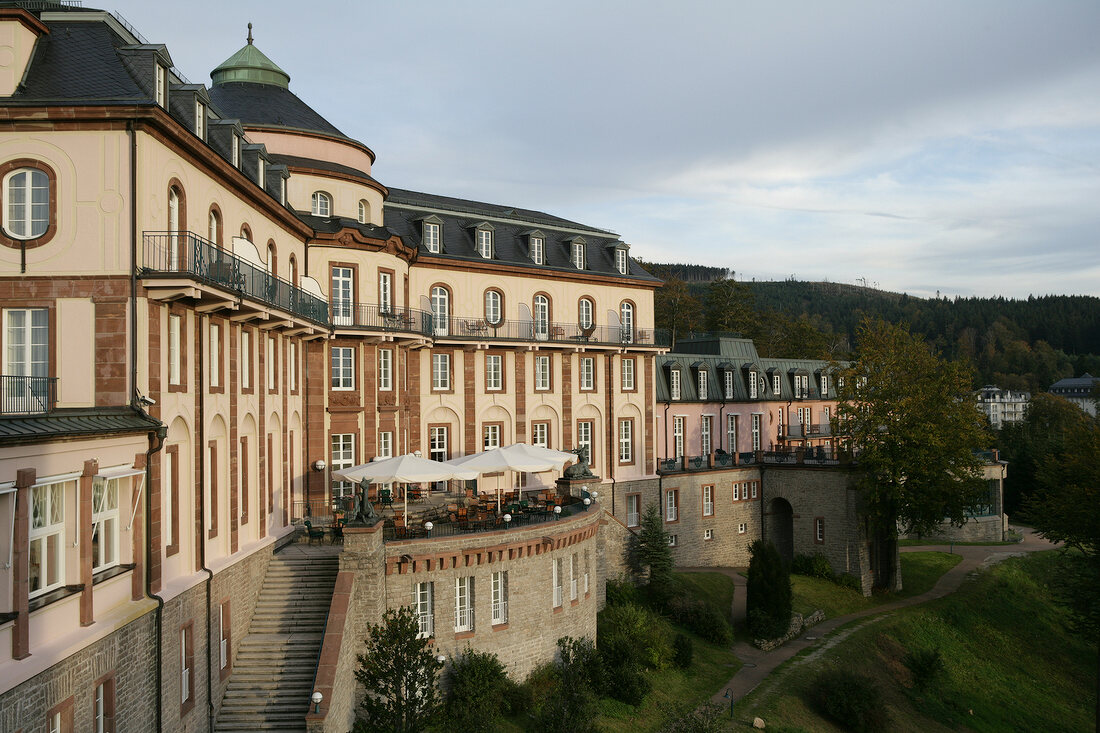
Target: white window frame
(708, 534)
(705, 444)
(737, 491)
(824, 385)
(105, 523)
(678, 436)
(292, 365)
(432, 232)
(494, 372)
(385, 370)
(385, 444)
(485, 243)
(731, 433)
(541, 317)
(776, 384)
(246, 359)
(24, 217)
(320, 204)
(588, 373)
(385, 292)
(235, 150)
(673, 540)
(464, 604)
(185, 671)
(627, 376)
(261, 172)
(727, 378)
(742, 528)
(493, 310)
(674, 384)
(538, 250)
(425, 609)
(558, 596)
(585, 310)
(342, 359)
(672, 505)
(46, 523)
(441, 372)
(341, 455)
(99, 711)
(542, 372)
(753, 394)
(578, 255)
(343, 296)
(363, 212)
(626, 322)
(540, 434)
(626, 441)
(633, 510)
(708, 501)
(621, 261)
(754, 485)
(441, 310)
(175, 356)
(702, 380)
(573, 577)
(490, 436)
(819, 529)
(223, 651)
(500, 597)
(215, 357)
(756, 431)
(161, 84)
(584, 439)
(438, 442)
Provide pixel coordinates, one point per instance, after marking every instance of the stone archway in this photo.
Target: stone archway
(779, 519)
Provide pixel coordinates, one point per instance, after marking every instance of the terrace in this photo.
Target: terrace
(813, 456)
(571, 334)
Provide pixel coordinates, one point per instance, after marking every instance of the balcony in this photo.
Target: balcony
(21, 395)
(185, 254)
(803, 432)
(571, 334)
(389, 319)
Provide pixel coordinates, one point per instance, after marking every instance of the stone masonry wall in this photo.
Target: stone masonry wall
(129, 654)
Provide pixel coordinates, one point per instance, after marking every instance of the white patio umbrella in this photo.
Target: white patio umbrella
(515, 457)
(405, 469)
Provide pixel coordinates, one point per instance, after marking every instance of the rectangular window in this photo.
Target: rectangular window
(703, 394)
(540, 434)
(626, 441)
(342, 456)
(261, 173)
(633, 509)
(620, 261)
(708, 534)
(731, 433)
(47, 538)
(215, 365)
(708, 501)
(756, 432)
(672, 540)
(485, 243)
(741, 528)
(542, 373)
(103, 706)
(755, 485)
(200, 120)
(162, 85)
(727, 383)
(441, 372)
(224, 636)
(588, 373)
(824, 386)
(385, 444)
(674, 384)
(678, 436)
(292, 366)
(236, 151)
(171, 481)
(704, 434)
(464, 604)
(385, 292)
(586, 569)
(343, 367)
(385, 370)
(437, 443)
(736, 491)
(500, 597)
(187, 661)
(627, 374)
(578, 255)
(425, 610)
(776, 384)
(537, 250)
(431, 237)
(584, 439)
(494, 372)
(672, 505)
(819, 530)
(557, 566)
(752, 386)
(175, 356)
(104, 523)
(246, 359)
(573, 577)
(491, 435)
(272, 364)
(343, 300)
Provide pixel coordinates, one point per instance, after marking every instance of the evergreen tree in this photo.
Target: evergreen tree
(767, 591)
(652, 554)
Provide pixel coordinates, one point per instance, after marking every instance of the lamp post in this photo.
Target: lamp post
(316, 699)
(557, 512)
(587, 503)
(428, 527)
(507, 518)
(729, 696)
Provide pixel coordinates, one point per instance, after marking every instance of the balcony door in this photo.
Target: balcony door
(26, 360)
(343, 298)
(542, 317)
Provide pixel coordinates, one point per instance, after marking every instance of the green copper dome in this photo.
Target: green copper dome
(250, 65)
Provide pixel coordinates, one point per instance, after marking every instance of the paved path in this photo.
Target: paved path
(758, 664)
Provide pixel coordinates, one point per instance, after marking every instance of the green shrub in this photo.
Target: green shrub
(476, 698)
(683, 651)
(853, 700)
(630, 685)
(632, 634)
(849, 581)
(705, 620)
(763, 626)
(622, 592)
(926, 666)
(540, 684)
(767, 589)
(707, 718)
(572, 707)
(814, 566)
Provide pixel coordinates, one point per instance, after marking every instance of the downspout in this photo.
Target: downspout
(721, 425)
(667, 405)
(202, 524)
(133, 266)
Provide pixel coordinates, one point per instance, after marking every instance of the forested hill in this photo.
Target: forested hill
(1017, 344)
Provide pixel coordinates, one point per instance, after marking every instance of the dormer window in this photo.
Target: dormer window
(776, 384)
(485, 242)
(728, 384)
(321, 204)
(364, 212)
(236, 151)
(162, 85)
(432, 236)
(753, 393)
(538, 249)
(578, 254)
(801, 386)
(674, 384)
(702, 377)
(620, 260)
(261, 173)
(824, 385)
(282, 191)
(200, 120)
(840, 382)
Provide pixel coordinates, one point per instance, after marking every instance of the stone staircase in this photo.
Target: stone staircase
(272, 677)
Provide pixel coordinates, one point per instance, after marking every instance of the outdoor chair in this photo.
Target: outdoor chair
(314, 533)
(385, 497)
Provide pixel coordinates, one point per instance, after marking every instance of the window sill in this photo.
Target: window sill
(54, 596)
(111, 572)
(500, 627)
(7, 616)
(557, 609)
(460, 635)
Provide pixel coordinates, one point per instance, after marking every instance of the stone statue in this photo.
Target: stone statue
(362, 511)
(579, 469)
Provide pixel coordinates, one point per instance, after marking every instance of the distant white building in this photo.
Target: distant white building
(1078, 390)
(1002, 405)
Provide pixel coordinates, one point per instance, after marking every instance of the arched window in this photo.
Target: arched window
(494, 306)
(272, 260)
(626, 322)
(321, 204)
(26, 203)
(246, 233)
(177, 214)
(214, 227)
(585, 309)
(541, 313)
(441, 310)
(364, 212)
(293, 270)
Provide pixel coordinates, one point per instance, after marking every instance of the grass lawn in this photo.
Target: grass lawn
(716, 589)
(1010, 662)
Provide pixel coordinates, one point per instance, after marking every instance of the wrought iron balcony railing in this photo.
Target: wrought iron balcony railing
(186, 253)
(479, 329)
(21, 395)
(798, 432)
(381, 318)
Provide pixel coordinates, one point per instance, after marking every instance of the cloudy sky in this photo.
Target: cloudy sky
(922, 147)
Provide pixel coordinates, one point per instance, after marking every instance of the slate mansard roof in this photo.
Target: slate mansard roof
(268, 105)
(405, 212)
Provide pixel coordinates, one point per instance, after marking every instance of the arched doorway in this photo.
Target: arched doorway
(779, 526)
